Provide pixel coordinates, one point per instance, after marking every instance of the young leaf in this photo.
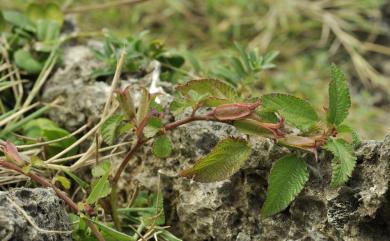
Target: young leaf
(218, 92)
(143, 108)
(48, 130)
(162, 146)
(339, 98)
(286, 180)
(343, 161)
(296, 111)
(354, 135)
(101, 169)
(110, 127)
(35, 12)
(153, 127)
(100, 190)
(54, 13)
(27, 62)
(227, 157)
(65, 183)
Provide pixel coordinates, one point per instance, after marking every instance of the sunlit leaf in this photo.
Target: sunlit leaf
(101, 169)
(222, 162)
(65, 183)
(339, 98)
(53, 12)
(100, 190)
(296, 111)
(218, 92)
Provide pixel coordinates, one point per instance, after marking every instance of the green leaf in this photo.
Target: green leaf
(162, 146)
(296, 111)
(65, 183)
(48, 130)
(286, 180)
(339, 98)
(251, 127)
(218, 92)
(49, 11)
(109, 128)
(343, 162)
(54, 13)
(111, 232)
(27, 62)
(143, 108)
(19, 20)
(227, 157)
(78, 180)
(48, 31)
(348, 129)
(101, 169)
(100, 190)
(35, 11)
(153, 127)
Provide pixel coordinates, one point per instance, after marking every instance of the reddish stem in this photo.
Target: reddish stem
(189, 119)
(43, 182)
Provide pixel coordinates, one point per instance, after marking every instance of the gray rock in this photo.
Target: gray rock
(82, 98)
(45, 209)
(229, 210)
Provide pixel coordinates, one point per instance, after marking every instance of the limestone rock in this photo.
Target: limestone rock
(229, 210)
(43, 206)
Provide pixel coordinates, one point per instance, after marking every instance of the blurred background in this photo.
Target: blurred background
(294, 42)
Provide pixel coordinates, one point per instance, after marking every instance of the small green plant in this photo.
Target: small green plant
(34, 34)
(272, 115)
(33, 43)
(268, 116)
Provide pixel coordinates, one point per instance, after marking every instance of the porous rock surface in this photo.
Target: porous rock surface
(45, 209)
(229, 210)
(82, 98)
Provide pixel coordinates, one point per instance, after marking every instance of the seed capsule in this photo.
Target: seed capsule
(234, 111)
